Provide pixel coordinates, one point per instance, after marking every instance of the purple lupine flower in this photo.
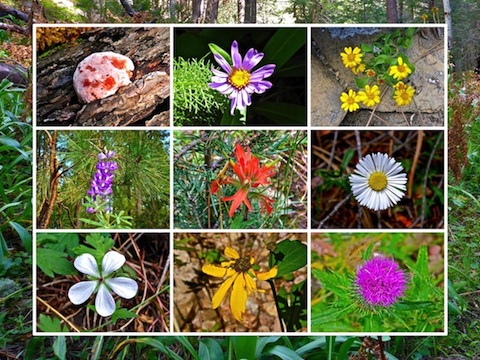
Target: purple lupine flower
(380, 281)
(101, 184)
(238, 81)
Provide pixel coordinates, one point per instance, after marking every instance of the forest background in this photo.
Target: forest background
(16, 341)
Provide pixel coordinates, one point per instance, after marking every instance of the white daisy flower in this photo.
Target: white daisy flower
(122, 286)
(378, 182)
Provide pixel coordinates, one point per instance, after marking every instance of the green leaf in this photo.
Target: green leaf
(245, 347)
(60, 347)
(9, 142)
(53, 262)
(332, 315)
(289, 256)
(50, 324)
(422, 261)
(122, 314)
(157, 343)
(25, 236)
(33, 346)
(215, 49)
(361, 82)
(283, 45)
(283, 353)
(209, 349)
(282, 113)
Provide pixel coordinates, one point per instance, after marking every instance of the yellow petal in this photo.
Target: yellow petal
(231, 253)
(268, 275)
(222, 291)
(238, 298)
(217, 271)
(250, 284)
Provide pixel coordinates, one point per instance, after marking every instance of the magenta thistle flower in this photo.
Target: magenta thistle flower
(238, 81)
(380, 282)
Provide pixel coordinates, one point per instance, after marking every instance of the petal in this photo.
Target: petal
(87, 264)
(111, 262)
(104, 303)
(222, 291)
(267, 275)
(231, 252)
(214, 270)
(80, 292)
(238, 297)
(123, 287)
(223, 63)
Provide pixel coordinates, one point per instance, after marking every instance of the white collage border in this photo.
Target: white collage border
(171, 231)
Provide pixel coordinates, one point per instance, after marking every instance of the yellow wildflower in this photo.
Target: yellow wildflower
(404, 96)
(351, 58)
(240, 276)
(350, 101)
(370, 96)
(399, 71)
(359, 69)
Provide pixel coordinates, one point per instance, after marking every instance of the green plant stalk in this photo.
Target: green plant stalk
(2, 300)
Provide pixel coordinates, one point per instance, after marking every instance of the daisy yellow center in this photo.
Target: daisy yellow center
(378, 181)
(239, 78)
(351, 57)
(242, 265)
(350, 100)
(401, 68)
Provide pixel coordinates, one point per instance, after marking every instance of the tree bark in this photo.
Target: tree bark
(392, 14)
(128, 8)
(211, 13)
(144, 102)
(448, 20)
(48, 203)
(196, 10)
(251, 11)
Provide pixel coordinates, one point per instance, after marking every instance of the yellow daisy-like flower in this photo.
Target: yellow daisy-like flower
(351, 58)
(370, 96)
(400, 86)
(359, 69)
(400, 71)
(371, 73)
(404, 96)
(240, 277)
(350, 101)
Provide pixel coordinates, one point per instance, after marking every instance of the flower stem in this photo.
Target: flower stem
(274, 291)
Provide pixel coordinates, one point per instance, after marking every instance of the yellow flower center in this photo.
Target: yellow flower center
(242, 265)
(351, 57)
(401, 68)
(378, 181)
(239, 78)
(405, 96)
(350, 100)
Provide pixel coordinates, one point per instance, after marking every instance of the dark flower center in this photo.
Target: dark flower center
(242, 265)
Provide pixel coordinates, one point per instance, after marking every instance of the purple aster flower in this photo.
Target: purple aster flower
(101, 184)
(380, 281)
(238, 81)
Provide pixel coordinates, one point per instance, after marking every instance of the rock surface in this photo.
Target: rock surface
(329, 78)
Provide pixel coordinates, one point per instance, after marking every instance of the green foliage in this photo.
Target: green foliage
(199, 161)
(338, 307)
(194, 102)
(283, 47)
(140, 185)
(50, 324)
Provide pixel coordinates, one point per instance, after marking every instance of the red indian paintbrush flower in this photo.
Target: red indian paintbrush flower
(250, 176)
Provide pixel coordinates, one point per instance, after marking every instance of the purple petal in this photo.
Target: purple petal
(223, 63)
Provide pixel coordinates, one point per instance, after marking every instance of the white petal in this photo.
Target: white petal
(80, 292)
(122, 286)
(111, 262)
(87, 264)
(104, 303)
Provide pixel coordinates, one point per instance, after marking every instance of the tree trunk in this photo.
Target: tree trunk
(211, 13)
(196, 10)
(48, 203)
(241, 11)
(448, 21)
(392, 14)
(251, 11)
(144, 102)
(128, 8)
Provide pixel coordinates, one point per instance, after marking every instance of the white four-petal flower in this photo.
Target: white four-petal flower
(122, 286)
